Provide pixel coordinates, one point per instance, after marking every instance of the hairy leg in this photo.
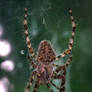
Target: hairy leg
(62, 68)
(68, 51)
(62, 86)
(30, 49)
(36, 86)
(59, 68)
(31, 79)
(61, 76)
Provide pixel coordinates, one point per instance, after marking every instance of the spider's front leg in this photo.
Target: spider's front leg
(68, 51)
(28, 42)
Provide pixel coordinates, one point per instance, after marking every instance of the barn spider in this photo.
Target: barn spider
(44, 73)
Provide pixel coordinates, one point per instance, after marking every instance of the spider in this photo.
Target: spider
(43, 63)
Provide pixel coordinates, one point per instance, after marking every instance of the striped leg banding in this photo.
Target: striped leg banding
(27, 34)
(36, 87)
(73, 30)
(31, 79)
(71, 41)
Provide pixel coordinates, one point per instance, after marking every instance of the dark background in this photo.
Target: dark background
(48, 20)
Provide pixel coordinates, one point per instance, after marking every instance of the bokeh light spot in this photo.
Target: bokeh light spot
(4, 84)
(5, 48)
(7, 65)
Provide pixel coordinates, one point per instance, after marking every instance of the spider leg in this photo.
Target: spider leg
(62, 86)
(68, 61)
(27, 35)
(55, 65)
(31, 61)
(59, 68)
(54, 85)
(49, 87)
(59, 76)
(68, 51)
(36, 86)
(31, 79)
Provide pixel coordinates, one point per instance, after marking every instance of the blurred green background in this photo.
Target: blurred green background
(47, 20)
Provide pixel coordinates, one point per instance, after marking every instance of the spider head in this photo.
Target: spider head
(45, 53)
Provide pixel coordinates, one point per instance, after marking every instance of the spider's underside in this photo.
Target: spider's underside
(43, 63)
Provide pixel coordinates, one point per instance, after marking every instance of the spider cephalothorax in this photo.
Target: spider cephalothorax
(43, 63)
(46, 54)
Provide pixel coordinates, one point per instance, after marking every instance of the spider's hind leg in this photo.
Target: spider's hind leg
(36, 86)
(62, 86)
(31, 79)
(62, 77)
(54, 85)
(68, 51)
(49, 88)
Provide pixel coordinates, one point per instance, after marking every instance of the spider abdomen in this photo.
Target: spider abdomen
(45, 72)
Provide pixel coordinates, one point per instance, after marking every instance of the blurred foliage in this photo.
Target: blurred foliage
(48, 20)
